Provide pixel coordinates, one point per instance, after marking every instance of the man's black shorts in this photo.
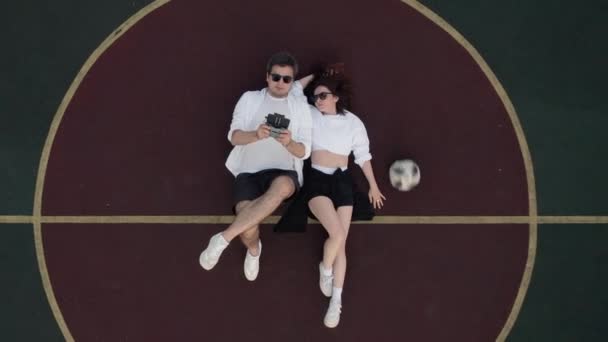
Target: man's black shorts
(249, 186)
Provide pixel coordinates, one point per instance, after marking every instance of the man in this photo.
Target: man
(268, 169)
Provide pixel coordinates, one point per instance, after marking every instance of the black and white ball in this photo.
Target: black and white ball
(404, 174)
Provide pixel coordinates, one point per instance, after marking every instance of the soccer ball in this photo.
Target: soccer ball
(404, 174)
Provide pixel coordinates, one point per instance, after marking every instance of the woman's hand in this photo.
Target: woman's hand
(376, 198)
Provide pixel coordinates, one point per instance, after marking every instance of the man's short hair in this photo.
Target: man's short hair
(282, 58)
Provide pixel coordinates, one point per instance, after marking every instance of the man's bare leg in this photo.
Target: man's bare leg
(250, 237)
(250, 216)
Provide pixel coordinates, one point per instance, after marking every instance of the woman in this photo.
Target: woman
(328, 186)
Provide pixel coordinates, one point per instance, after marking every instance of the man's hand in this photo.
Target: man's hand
(284, 137)
(262, 132)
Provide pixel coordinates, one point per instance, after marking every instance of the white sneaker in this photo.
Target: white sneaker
(210, 256)
(252, 264)
(332, 317)
(325, 282)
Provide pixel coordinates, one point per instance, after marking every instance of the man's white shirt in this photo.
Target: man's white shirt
(250, 112)
(267, 153)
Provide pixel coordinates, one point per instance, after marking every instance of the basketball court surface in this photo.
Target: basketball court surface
(127, 183)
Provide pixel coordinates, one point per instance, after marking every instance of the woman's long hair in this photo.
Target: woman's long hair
(338, 86)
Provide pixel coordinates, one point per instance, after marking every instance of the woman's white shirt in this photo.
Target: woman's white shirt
(340, 134)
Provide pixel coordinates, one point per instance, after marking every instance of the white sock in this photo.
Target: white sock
(222, 241)
(336, 294)
(327, 271)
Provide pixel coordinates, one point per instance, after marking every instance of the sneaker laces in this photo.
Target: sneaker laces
(250, 259)
(327, 280)
(335, 308)
(249, 265)
(215, 251)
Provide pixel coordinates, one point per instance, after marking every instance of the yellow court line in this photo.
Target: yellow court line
(16, 219)
(227, 219)
(572, 219)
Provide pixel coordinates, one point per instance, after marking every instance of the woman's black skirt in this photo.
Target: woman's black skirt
(337, 186)
(340, 189)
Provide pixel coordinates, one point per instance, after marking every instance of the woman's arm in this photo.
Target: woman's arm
(375, 196)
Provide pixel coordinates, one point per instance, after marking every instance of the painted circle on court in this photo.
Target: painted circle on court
(145, 134)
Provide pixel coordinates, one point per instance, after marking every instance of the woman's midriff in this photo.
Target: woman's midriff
(328, 159)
